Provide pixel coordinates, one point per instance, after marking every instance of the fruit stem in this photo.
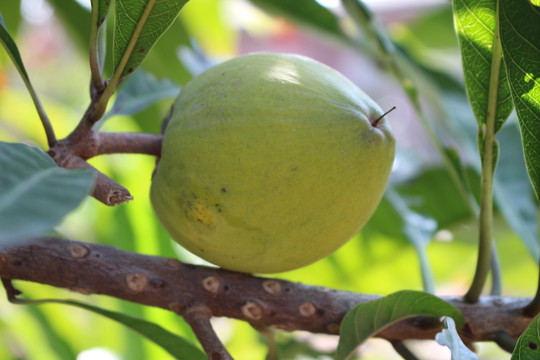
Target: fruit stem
(376, 121)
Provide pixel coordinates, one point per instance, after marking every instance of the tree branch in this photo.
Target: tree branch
(170, 284)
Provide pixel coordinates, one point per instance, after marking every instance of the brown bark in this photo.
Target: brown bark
(170, 284)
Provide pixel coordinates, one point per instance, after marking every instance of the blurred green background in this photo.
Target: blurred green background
(52, 38)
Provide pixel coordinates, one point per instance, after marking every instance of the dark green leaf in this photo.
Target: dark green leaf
(140, 91)
(528, 344)
(369, 318)
(138, 25)
(449, 337)
(174, 344)
(35, 194)
(485, 78)
(520, 29)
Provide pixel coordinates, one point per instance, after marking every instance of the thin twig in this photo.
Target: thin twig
(133, 142)
(198, 317)
(106, 190)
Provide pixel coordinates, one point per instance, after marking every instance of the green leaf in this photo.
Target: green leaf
(449, 337)
(520, 39)
(103, 7)
(528, 344)
(139, 92)
(138, 26)
(369, 318)
(35, 194)
(485, 78)
(174, 344)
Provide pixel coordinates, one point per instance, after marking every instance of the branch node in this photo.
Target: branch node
(177, 307)
(137, 281)
(252, 310)
(307, 309)
(78, 251)
(333, 328)
(272, 286)
(212, 284)
(173, 263)
(198, 317)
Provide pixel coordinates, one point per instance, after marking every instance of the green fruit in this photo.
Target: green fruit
(270, 162)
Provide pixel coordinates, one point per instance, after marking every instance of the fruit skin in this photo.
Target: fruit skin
(270, 163)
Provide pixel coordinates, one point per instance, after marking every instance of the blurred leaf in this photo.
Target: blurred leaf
(11, 11)
(449, 337)
(35, 194)
(475, 22)
(432, 187)
(143, 23)
(417, 229)
(175, 345)
(513, 192)
(58, 344)
(305, 12)
(76, 18)
(13, 52)
(11, 48)
(528, 343)
(210, 27)
(432, 28)
(139, 92)
(369, 318)
(164, 60)
(520, 38)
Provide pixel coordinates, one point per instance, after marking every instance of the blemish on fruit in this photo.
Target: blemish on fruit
(201, 213)
(223, 190)
(533, 346)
